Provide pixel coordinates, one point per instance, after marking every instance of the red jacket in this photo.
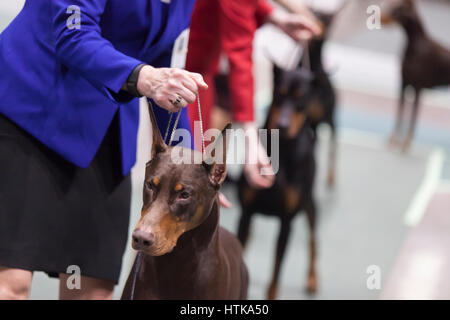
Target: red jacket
(226, 26)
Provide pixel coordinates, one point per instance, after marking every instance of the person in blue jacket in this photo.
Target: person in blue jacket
(70, 75)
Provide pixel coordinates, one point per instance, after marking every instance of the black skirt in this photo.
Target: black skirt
(54, 215)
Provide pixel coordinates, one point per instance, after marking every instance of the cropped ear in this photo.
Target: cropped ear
(158, 144)
(277, 77)
(216, 167)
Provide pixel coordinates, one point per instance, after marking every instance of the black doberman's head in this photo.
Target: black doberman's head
(177, 197)
(290, 100)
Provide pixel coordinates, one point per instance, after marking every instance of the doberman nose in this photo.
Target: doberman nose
(142, 239)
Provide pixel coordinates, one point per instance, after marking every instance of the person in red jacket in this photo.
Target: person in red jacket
(228, 26)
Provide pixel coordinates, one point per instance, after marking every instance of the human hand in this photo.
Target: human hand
(224, 202)
(299, 27)
(257, 169)
(166, 86)
(255, 178)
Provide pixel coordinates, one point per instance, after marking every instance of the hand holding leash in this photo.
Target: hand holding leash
(170, 88)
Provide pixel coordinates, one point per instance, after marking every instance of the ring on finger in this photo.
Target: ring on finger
(177, 101)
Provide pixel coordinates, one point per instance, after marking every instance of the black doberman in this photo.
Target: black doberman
(293, 187)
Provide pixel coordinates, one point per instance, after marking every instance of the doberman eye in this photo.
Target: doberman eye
(150, 185)
(185, 195)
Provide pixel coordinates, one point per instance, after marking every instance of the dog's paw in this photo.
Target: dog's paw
(394, 141)
(406, 146)
(272, 293)
(331, 179)
(311, 287)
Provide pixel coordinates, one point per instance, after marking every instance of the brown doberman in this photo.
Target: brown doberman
(426, 64)
(185, 254)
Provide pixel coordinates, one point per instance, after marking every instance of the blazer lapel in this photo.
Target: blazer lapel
(155, 25)
(171, 30)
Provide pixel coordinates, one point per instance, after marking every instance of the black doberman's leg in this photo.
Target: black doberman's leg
(281, 248)
(412, 124)
(331, 179)
(394, 140)
(244, 226)
(312, 275)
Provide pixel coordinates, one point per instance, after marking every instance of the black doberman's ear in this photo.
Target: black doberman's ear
(158, 144)
(216, 167)
(277, 77)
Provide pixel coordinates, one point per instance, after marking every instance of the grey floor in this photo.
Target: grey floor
(361, 220)
(360, 224)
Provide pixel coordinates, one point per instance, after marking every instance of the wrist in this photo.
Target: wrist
(144, 82)
(276, 17)
(131, 85)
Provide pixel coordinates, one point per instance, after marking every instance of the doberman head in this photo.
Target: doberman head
(400, 11)
(177, 197)
(290, 100)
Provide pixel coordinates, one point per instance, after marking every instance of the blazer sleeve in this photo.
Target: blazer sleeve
(85, 50)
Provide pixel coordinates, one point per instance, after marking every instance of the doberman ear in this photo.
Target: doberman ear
(277, 77)
(158, 144)
(216, 167)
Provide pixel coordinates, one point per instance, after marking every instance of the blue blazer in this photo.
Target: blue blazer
(62, 84)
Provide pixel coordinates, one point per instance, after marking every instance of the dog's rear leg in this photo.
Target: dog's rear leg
(244, 226)
(412, 124)
(331, 179)
(394, 140)
(281, 248)
(312, 275)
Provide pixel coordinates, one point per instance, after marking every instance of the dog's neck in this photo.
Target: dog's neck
(413, 26)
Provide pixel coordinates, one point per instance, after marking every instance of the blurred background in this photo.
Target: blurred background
(388, 210)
